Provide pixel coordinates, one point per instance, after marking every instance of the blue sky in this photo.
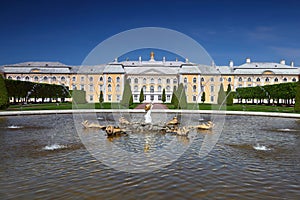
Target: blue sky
(66, 31)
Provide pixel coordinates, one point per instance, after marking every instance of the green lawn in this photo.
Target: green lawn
(235, 107)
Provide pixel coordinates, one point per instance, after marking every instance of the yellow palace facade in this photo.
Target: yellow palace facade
(153, 76)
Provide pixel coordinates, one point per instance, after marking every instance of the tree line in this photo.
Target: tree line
(283, 93)
(24, 91)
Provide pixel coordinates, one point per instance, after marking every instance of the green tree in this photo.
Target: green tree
(174, 99)
(142, 96)
(203, 97)
(229, 100)
(127, 95)
(297, 98)
(3, 94)
(163, 98)
(221, 94)
(101, 98)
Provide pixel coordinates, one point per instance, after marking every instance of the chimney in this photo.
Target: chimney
(282, 62)
(116, 60)
(231, 65)
(140, 59)
(292, 64)
(248, 60)
(186, 60)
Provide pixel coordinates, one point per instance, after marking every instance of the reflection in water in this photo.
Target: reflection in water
(240, 166)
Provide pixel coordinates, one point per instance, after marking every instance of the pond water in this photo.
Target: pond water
(42, 157)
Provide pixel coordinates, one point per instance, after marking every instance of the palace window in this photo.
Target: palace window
(212, 98)
(194, 88)
(82, 78)
(168, 81)
(221, 79)
(91, 97)
(240, 79)
(212, 88)
(109, 87)
(109, 79)
(100, 87)
(159, 81)
(73, 87)
(229, 79)
(152, 97)
(249, 79)
(73, 78)
(27, 78)
(152, 80)
(276, 79)
(136, 80)
(91, 87)
(18, 78)
(258, 80)
(109, 97)
(91, 79)
(136, 89)
(168, 97)
(151, 88)
(175, 81)
(267, 79)
(185, 80)
(194, 80)
(63, 78)
(118, 88)
(202, 79)
(81, 87)
(53, 78)
(144, 80)
(194, 98)
(159, 88)
(168, 88)
(101, 78)
(45, 78)
(118, 97)
(144, 88)
(118, 79)
(135, 97)
(36, 78)
(212, 79)
(294, 79)
(9, 78)
(285, 79)
(129, 80)
(159, 97)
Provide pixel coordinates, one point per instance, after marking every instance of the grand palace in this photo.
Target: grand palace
(153, 76)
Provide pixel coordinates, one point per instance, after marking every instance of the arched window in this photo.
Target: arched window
(249, 79)
(294, 79)
(36, 78)
(27, 78)
(101, 78)
(267, 79)
(118, 79)
(82, 78)
(194, 88)
(151, 88)
(144, 80)
(118, 88)
(276, 79)
(168, 81)
(91, 79)
(221, 79)
(229, 79)
(194, 80)
(109, 87)
(18, 78)
(136, 89)
(212, 79)
(45, 78)
(53, 78)
(240, 79)
(285, 79)
(258, 80)
(159, 81)
(159, 88)
(202, 79)
(168, 88)
(175, 81)
(63, 78)
(144, 88)
(136, 80)
(9, 78)
(152, 80)
(109, 79)
(185, 80)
